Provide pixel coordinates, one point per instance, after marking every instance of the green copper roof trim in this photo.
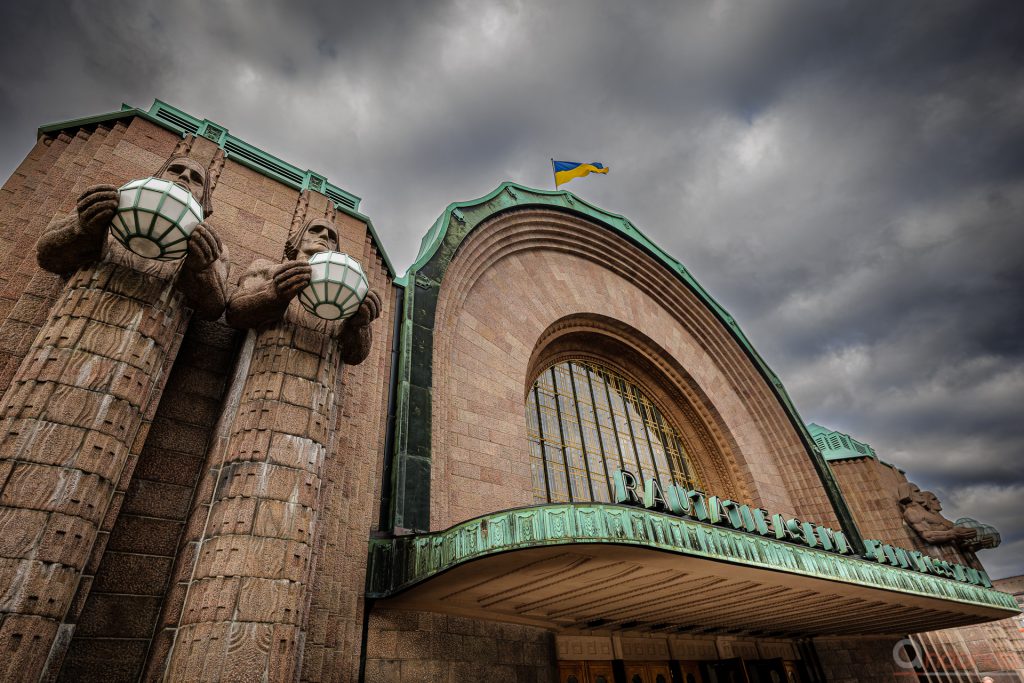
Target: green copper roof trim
(239, 151)
(396, 564)
(437, 250)
(836, 445)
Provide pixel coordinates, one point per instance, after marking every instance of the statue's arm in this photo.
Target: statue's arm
(356, 337)
(920, 522)
(72, 241)
(204, 275)
(265, 291)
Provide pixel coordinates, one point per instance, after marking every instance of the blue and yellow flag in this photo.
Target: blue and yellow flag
(567, 170)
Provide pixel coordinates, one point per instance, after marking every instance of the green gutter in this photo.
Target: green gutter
(437, 250)
(238, 150)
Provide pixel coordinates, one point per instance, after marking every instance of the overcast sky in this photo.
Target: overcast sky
(846, 178)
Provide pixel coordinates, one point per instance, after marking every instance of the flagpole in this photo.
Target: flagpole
(553, 174)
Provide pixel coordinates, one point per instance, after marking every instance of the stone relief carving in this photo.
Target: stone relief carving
(80, 238)
(922, 511)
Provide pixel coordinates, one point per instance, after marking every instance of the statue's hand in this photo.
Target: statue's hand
(204, 247)
(96, 208)
(964, 533)
(290, 278)
(368, 311)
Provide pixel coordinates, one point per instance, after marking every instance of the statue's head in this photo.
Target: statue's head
(191, 175)
(910, 493)
(188, 174)
(931, 501)
(319, 234)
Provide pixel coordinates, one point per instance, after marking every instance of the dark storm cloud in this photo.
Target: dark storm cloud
(846, 178)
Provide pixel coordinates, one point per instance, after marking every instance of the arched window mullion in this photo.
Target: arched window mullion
(624, 397)
(579, 425)
(543, 451)
(611, 419)
(597, 428)
(561, 436)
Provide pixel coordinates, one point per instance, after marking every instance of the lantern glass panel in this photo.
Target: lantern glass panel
(155, 218)
(337, 286)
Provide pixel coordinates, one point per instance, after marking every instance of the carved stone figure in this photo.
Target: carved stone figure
(257, 544)
(82, 238)
(921, 510)
(70, 422)
(266, 290)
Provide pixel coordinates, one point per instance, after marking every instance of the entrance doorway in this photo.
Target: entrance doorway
(585, 672)
(648, 672)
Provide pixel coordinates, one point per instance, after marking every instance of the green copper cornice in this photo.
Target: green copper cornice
(437, 251)
(238, 150)
(836, 445)
(397, 564)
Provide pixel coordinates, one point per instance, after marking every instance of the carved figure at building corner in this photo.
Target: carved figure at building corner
(80, 238)
(922, 511)
(269, 470)
(266, 290)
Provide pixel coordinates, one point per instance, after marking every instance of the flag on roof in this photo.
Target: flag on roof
(567, 170)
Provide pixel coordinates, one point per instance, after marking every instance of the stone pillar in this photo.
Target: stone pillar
(244, 609)
(247, 601)
(68, 424)
(78, 405)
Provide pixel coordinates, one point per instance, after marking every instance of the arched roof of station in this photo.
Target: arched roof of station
(439, 248)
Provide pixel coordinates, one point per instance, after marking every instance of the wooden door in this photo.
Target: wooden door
(729, 671)
(636, 672)
(572, 672)
(659, 673)
(600, 672)
(691, 672)
(648, 672)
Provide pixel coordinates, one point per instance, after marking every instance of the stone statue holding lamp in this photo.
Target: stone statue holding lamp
(309, 316)
(188, 242)
(267, 289)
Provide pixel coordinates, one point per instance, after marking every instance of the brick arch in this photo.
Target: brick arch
(521, 271)
(711, 448)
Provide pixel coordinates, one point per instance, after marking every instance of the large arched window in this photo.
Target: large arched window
(585, 422)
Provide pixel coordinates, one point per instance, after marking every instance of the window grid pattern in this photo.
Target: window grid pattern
(585, 421)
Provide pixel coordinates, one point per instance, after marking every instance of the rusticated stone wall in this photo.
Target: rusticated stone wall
(422, 647)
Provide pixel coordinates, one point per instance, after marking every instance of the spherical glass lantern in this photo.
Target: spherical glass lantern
(336, 287)
(155, 218)
(988, 536)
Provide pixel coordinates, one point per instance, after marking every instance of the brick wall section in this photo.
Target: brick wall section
(867, 660)
(521, 273)
(124, 606)
(421, 647)
(871, 489)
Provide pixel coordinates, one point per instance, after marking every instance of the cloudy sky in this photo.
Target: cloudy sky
(846, 178)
